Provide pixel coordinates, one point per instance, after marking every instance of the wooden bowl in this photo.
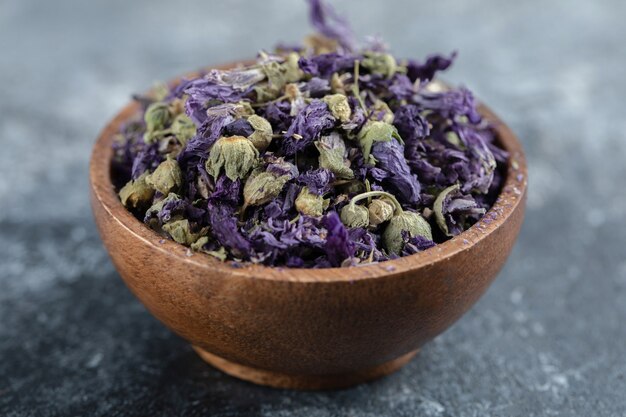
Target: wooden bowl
(307, 328)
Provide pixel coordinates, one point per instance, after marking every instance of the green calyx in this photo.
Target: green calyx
(376, 131)
(262, 135)
(408, 221)
(401, 221)
(278, 75)
(236, 154)
(338, 106)
(136, 193)
(380, 211)
(183, 128)
(157, 118)
(167, 177)
(332, 151)
(261, 187)
(380, 63)
(353, 215)
(310, 204)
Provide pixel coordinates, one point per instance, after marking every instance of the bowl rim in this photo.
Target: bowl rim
(510, 199)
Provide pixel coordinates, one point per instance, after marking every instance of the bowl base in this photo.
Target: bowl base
(302, 382)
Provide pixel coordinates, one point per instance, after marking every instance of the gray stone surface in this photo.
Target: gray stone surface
(548, 339)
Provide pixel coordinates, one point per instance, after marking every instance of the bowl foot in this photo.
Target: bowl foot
(303, 382)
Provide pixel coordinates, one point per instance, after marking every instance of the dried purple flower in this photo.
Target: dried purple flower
(308, 126)
(338, 245)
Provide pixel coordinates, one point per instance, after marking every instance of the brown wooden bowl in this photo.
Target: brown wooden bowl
(307, 328)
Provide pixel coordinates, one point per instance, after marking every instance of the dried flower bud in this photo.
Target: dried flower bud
(332, 150)
(382, 112)
(276, 78)
(376, 131)
(264, 92)
(380, 211)
(336, 84)
(136, 193)
(293, 73)
(157, 118)
(380, 63)
(262, 135)
(183, 128)
(180, 231)
(353, 215)
(339, 107)
(261, 187)
(236, 154)
(407, 221)
(167, 177)
(309, 204)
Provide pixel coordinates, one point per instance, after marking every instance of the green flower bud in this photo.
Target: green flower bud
(167, 177)
(236, 154)
(380, 63)
(339, 107)
(180, 231)
(262, 135)
(309, 204)
(183, 128)
(376, 131)
(381, 108)
(353, 215)
(276, 75)
(407, 221)
(293, 73)
(380, 211)
(157, 118)
(332, 150)
(358, 216)
(336, 84)
(136, 193)
(261, 187)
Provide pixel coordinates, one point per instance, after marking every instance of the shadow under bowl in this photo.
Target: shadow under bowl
(307, 328)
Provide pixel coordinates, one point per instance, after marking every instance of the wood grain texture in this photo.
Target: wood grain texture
(308, 324)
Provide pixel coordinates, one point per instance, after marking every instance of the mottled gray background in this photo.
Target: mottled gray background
(548, 339)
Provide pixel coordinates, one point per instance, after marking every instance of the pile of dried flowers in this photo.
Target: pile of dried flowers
(316, 156)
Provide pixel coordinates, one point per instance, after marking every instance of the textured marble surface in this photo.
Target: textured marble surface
(548, 339)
